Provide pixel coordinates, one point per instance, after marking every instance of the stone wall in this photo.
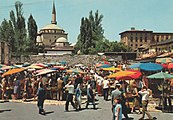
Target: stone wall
(71, 60)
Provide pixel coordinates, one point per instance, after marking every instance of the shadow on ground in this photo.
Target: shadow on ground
(1, 111)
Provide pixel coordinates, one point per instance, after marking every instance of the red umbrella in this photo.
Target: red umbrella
(164, 65)
(170, 65)
(105, 62)
(41, 65)
(136, 75)
(59, 67)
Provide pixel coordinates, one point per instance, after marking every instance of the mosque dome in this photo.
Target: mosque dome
(51, 27)
(61, 40)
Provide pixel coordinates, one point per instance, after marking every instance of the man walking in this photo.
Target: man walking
(41, 97)
(70, 88)
(90, 96)
(105, 88)
(60, 89)
(145, 96)
(115, 94)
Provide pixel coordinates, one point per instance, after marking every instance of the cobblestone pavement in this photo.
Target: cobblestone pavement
(18, 110)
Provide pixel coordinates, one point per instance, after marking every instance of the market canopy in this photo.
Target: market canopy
(136, 65)
(79, 65)
(150, 67)
(170, 65)
(63, 62)
(121, 74)
(164, 60)
(75, 71)
(46, 71)
(7, 67)
(111, 69)
(41, 65)
(160, 75)
(34, 67)
(137, 74)
(59, 67)
(13, 71)
(104, 62)
(105, 66)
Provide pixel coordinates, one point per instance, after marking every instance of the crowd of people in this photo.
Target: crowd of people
(70, 87)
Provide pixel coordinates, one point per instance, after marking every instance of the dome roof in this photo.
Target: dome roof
(61, 39)
(51, 26)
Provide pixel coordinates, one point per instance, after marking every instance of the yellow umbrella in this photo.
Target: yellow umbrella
(112, 69)
(34, 67)
(13, 71)
(120, 74)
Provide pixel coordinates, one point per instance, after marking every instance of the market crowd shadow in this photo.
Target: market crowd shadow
(1, 111)
(165, 110)
(49, 112)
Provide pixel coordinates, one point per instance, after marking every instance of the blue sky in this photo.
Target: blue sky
(119, 15)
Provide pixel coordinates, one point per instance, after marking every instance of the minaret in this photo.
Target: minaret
(53, 15)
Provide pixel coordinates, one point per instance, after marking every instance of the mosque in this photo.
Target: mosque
(53, 38)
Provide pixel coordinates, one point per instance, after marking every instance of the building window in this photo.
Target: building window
(140, 39)
(54, 36)
(50, 40)
(136, 39)
(157, 40)
(145, 39)
(131, 45)
(166, 37)
(131, 39)
(136, 45)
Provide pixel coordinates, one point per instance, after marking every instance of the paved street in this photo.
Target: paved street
(25, 111)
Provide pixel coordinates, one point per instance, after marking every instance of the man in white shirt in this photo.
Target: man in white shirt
(145, 97)
(70, 88)
(105, 85)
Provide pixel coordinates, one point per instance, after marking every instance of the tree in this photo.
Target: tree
(32, 34)
(7, 32)
(91, 39)
(18, 22)
(91, 33)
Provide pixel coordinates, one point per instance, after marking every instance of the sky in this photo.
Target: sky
(119, 15)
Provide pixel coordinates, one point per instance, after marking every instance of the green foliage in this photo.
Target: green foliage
(91, 33)
(14, 31)
(6, 31)
(18, 22)
(32, 34)
(91, 39)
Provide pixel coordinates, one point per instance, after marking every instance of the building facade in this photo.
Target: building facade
(145, 39)
(54, 38)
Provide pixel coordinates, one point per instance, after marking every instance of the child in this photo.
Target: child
(117, 109)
